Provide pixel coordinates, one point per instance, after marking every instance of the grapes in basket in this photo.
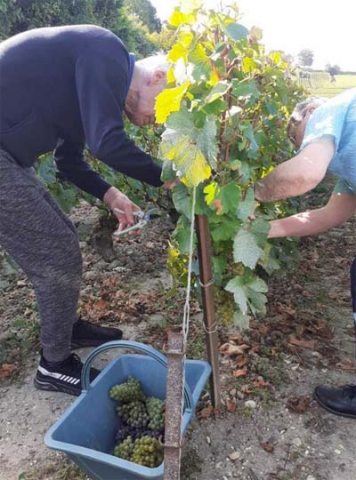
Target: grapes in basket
(140, 435)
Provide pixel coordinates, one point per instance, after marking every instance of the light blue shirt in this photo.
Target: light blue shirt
(337, 119)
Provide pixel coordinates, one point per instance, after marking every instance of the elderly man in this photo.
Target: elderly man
(325, 133)
(62, 88)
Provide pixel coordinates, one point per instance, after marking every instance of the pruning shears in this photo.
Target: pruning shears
(143, 217)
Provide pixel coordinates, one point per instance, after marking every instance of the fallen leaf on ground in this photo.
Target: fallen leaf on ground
(6, 369)
(229, 349)
(230, 406)
(348, 365)
(299, 404)
(206, 412)
(260, 383)
(241, 362)
(303, 343)
(268, 446)
(242, 372)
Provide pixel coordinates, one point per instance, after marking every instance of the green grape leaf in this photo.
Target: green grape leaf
(168, 172)
(238, 289)
(257, 302)
(219, 266)
(182, 200)
(223, 231)
(182, 235)
(230, 196)
(245, 89)
(246, 249)
(236, 31)
(247, 206)
(260, 228)
(217, 91)
(248, 291)
(241, 320)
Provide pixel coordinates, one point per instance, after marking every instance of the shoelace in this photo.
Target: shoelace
(74, 361)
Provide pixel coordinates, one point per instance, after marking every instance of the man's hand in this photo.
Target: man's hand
(170, 184)
(122, 207)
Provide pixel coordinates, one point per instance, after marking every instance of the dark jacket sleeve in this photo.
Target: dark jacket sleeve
(71, 164)
(102, 82)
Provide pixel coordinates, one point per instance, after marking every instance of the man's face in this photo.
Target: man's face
(140, 105)
(296, 133)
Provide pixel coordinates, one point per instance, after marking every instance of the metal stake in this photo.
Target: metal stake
(206, 280)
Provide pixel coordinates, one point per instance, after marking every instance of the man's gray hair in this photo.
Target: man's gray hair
(155, 62)
(297, 114)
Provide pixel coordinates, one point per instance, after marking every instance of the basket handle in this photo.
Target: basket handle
(138, 347)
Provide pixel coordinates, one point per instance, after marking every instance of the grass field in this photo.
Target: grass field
(321, 84)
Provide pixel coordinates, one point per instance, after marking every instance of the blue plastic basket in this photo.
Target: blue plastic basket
(86, 431)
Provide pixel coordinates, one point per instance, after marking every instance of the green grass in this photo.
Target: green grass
(321, 85)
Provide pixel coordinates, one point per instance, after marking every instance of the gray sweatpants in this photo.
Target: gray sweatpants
(44, 243)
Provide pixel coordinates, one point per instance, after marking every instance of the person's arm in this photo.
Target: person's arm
(340, 208)
(102, 83)
(297, 175)
(72, 167)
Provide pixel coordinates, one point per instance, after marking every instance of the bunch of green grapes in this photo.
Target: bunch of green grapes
(225, 305)
(155, 410)
(124, 449)
(147, 451)
(134, 413)
(127, 392)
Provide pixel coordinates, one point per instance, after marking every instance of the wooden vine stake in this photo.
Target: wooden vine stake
(174, 406)
(207, 284)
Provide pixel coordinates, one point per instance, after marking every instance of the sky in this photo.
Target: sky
(328, 28)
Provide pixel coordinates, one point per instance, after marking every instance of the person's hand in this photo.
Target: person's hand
(122, 207)
(169, 184)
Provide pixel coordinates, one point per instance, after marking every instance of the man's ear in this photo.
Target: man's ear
(158, 77)
(309, 109)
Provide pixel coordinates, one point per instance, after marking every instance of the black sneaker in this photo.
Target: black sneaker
(86, 334)
(62, 376)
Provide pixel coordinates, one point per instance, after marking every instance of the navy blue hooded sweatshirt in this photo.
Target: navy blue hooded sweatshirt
(62, 88)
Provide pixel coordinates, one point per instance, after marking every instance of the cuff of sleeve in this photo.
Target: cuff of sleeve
(101, 188)
(154, 176)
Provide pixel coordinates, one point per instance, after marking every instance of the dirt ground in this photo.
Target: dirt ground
(268, 427)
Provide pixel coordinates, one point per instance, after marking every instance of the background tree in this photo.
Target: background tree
(306, 58)
(145, 11)
(19, 15)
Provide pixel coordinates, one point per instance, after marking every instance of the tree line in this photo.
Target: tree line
(134, 21)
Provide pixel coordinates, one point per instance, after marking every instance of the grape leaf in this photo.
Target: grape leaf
(238, 289)
(236, 31)
(169, 100)
(246, 249)
(247, 206)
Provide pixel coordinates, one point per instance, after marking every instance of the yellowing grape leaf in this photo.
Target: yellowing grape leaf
(178, 18)
(176, 52)
(169, 101)
(189, 160)
(190, 5)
